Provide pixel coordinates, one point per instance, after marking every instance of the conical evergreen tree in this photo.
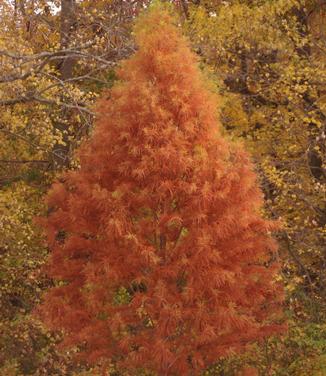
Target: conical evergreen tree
(163, 259)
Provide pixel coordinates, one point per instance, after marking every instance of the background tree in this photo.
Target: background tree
(162, 244)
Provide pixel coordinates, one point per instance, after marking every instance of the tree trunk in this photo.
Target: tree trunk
(66, 66)
(68, 19)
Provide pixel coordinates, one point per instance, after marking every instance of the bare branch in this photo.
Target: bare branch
(22, 161)
(47, 54)
(35, 97)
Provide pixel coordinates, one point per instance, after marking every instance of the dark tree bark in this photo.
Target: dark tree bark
(66, 67)
(68, 20)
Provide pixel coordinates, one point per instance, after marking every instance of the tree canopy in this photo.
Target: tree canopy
(167, 211)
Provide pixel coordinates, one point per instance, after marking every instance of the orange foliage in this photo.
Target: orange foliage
(248, 371)
(166, 210)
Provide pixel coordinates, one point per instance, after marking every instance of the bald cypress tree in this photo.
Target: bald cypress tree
(160, 253)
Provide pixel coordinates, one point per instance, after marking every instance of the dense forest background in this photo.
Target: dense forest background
(267, 60)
